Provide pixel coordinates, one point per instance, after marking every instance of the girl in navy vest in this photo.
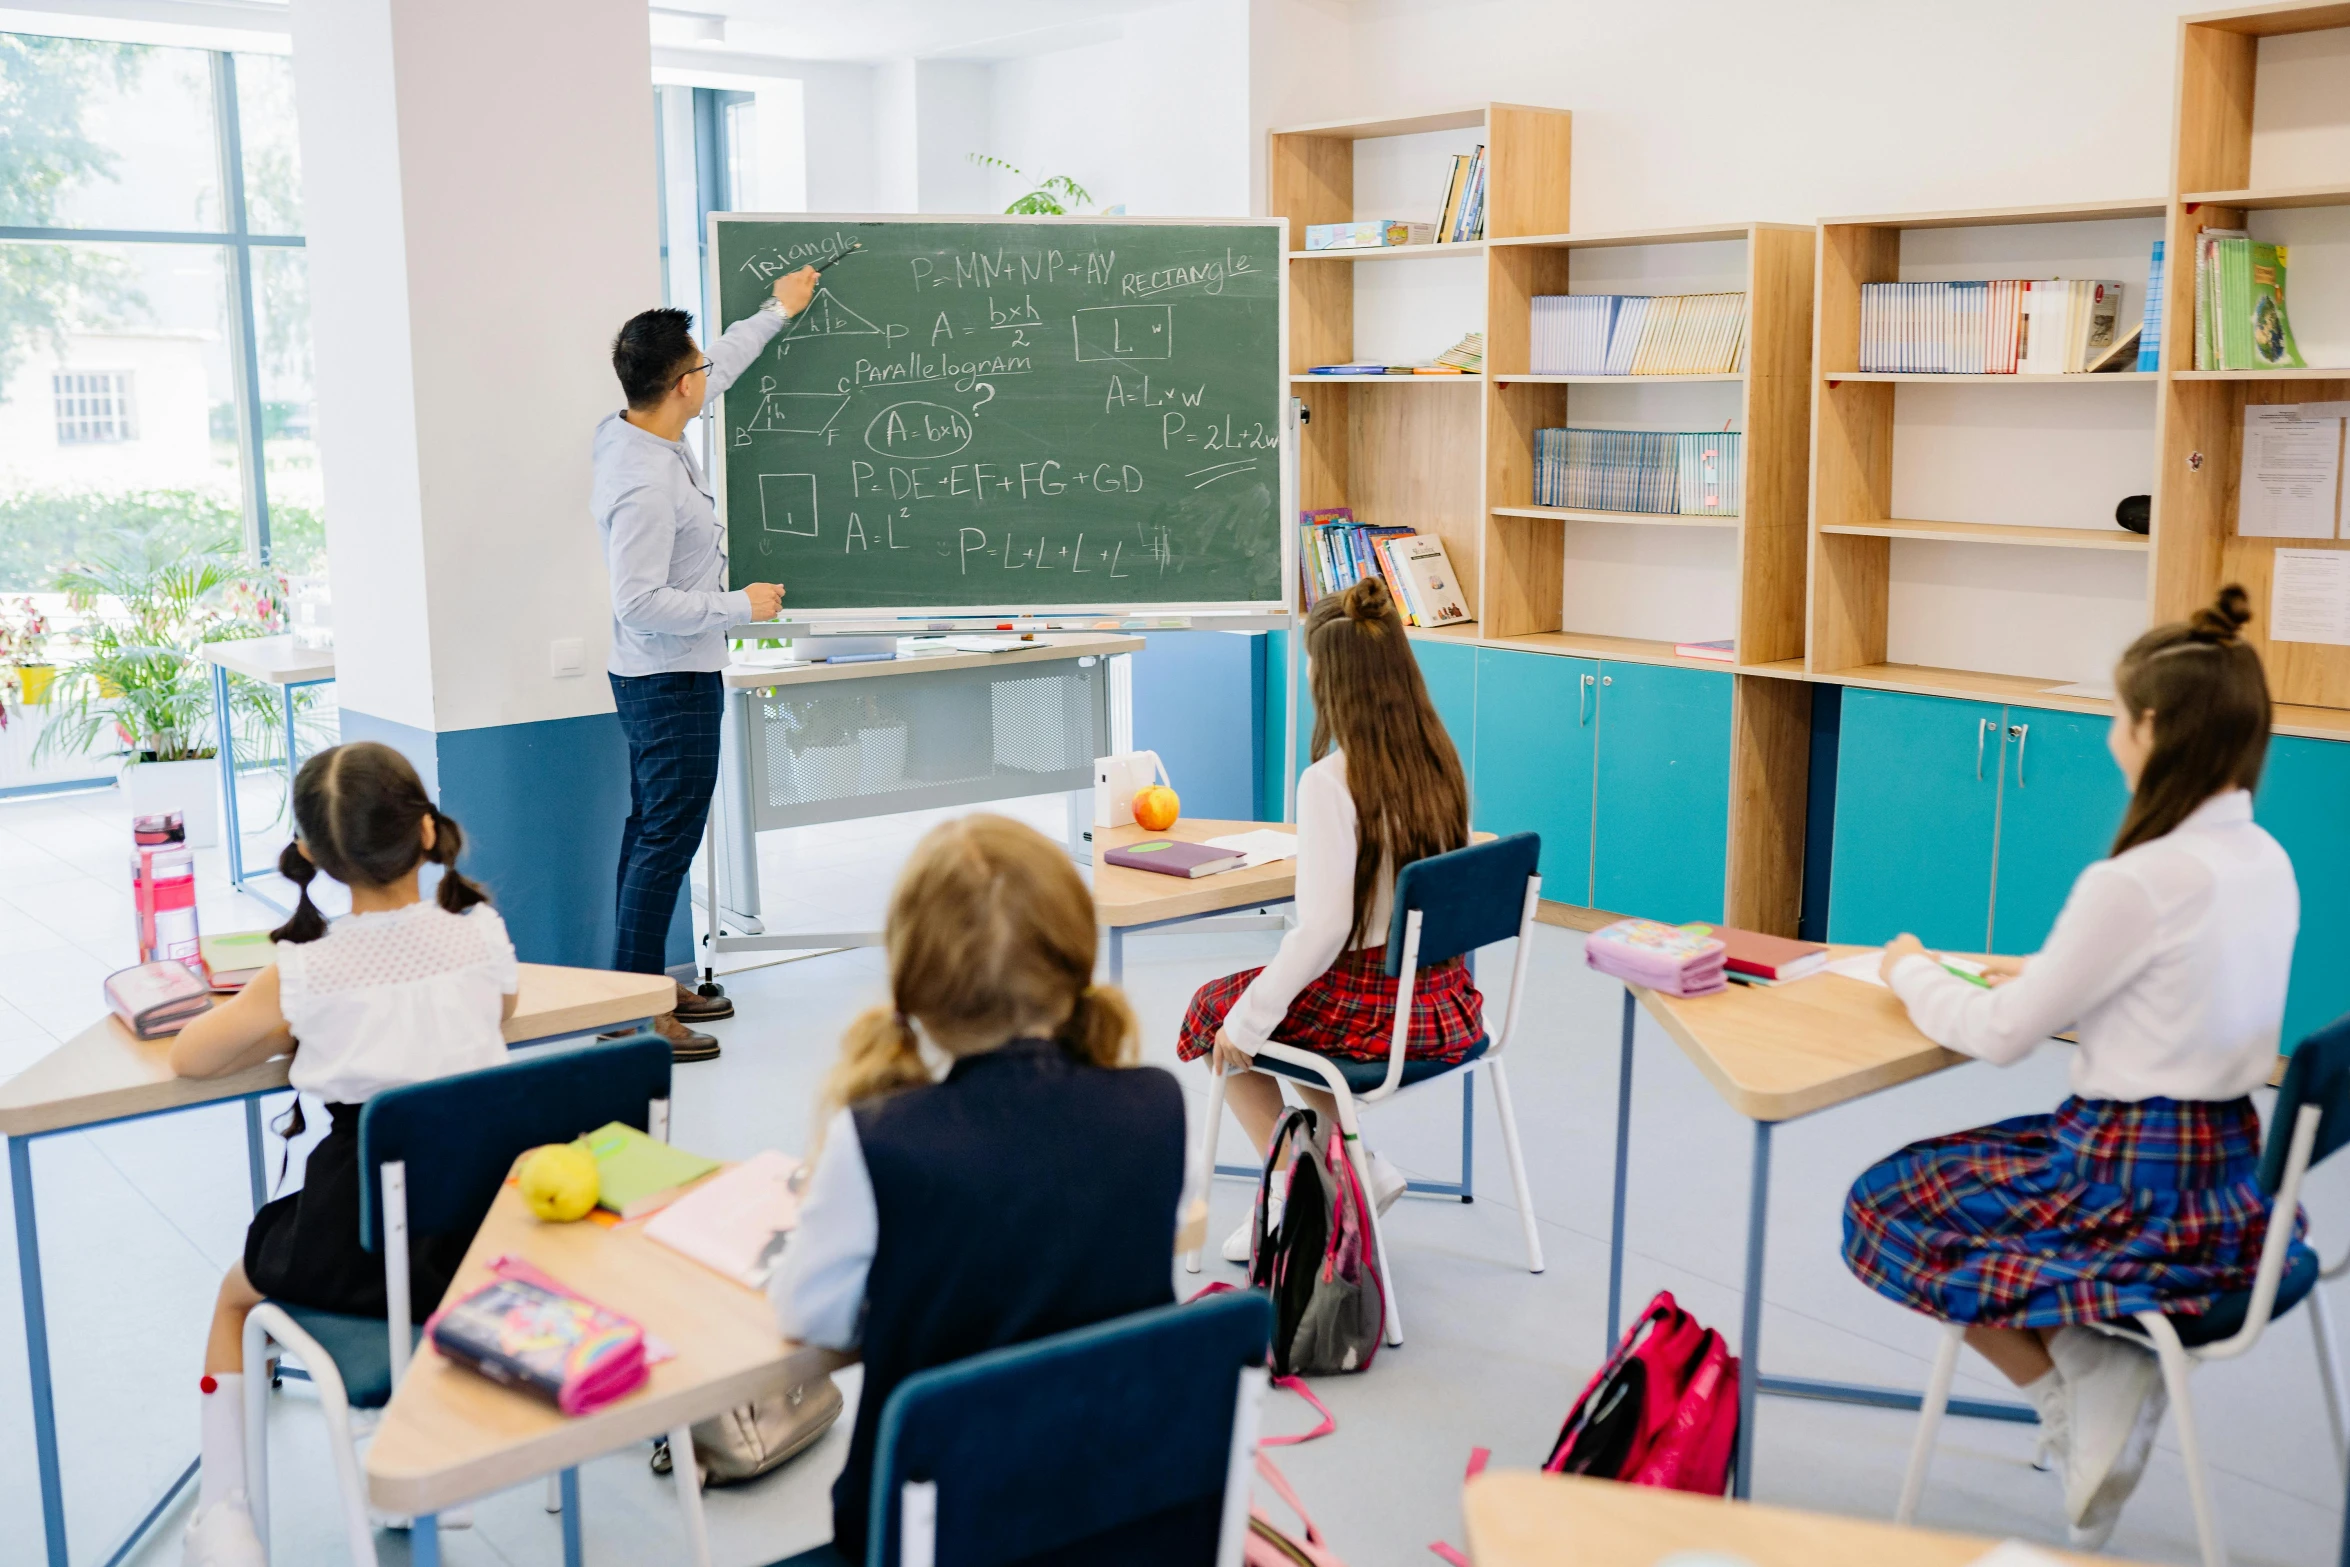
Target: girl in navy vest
(1385, 789)
(2138, 1194)
(993, 1168)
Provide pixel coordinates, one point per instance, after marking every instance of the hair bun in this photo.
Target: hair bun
(2223, 617)
(1368, 600)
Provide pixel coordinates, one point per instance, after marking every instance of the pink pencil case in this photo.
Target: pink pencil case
(1662, 957)
(530, 1331)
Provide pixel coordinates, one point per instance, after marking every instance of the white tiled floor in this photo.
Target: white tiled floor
(138, 1220)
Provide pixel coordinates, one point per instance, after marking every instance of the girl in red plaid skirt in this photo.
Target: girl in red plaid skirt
(1385, 789)
(2139, 1193)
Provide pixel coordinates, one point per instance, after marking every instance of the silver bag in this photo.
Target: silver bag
(750, 1439)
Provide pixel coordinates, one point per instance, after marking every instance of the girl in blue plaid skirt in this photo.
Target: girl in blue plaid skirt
(1385, 789)
(2170, 960)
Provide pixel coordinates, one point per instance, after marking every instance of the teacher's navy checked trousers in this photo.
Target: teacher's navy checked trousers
(671, 721)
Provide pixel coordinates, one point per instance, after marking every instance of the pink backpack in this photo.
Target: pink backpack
(1320, 1265)
(1663, 1411)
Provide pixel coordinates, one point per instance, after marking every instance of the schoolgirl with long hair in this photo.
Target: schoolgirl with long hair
(402, 989)
(2170, 961)
(1385, 789)
(994, 1167)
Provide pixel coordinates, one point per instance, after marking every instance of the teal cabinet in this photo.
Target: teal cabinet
(1917, 819)
(1535, 733)
(1450, 671)
(1660, 836)
(2304, 801)
(2061, 800)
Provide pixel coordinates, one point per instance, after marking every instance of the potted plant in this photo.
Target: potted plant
(25, 673)
(147, 607)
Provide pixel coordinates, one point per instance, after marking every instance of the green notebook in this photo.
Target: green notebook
(636, 1175)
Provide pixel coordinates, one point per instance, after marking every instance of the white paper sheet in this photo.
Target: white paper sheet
(1263, 846)
(2309, 597)
(2292, 471)
(1861, 966)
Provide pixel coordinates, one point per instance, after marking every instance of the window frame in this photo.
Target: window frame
(238, 240)
(104, 414)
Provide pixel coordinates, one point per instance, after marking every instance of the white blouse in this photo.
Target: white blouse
(2170, 959)
(396, 997)
(1326, 826)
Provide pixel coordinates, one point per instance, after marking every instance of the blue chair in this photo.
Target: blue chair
(432, 1158)
(1130, 1441)
(2311, 1121)
(1446, 906)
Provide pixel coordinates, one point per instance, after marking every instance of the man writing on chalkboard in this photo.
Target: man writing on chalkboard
(666, 555)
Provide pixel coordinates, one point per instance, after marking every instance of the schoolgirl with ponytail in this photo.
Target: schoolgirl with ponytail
(402, 989)
(2169, 961)
(994, 1167)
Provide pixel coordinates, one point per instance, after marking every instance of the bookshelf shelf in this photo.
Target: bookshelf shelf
(1999, 217)
(2309, 373)
(2270, 200)
(1310, 379)
(1628, 650)
(1937, 378)
(1993, 533)
(1458, 247)
(1623, 237)
(1926, 680)
(1617, 380)
(1641, 518)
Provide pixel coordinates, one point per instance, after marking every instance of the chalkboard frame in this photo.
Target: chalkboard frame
(1285, 499)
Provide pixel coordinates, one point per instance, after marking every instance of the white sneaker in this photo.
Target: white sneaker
(222, 1536)
(1237, 1245)
(1387, 1183)
(2115, 1401)
(2053, 1447)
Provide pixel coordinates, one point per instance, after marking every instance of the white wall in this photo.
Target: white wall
(460, 307)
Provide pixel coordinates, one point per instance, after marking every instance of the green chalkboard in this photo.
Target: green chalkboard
(1005, 414)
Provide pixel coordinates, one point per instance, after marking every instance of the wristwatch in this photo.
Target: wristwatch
(774, 307)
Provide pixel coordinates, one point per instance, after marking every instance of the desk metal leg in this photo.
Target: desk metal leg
(1117, 956)
(1615, 1233)
(36, 1339)
(424, 1541)
(225, 737)
(572, 1546)
(1758, 1216)
(256, 1168)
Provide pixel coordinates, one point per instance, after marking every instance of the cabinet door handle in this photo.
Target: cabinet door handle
(1583, 701)
(1982, 732)
(2019, 733)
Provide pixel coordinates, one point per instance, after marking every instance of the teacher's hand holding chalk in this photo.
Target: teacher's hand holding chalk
(793, 291)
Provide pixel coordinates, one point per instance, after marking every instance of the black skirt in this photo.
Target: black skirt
(303, 1248)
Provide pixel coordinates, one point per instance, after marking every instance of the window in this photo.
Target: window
(93, 406)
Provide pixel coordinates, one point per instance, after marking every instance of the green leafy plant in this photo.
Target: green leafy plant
(148, 607)
(1051, 197)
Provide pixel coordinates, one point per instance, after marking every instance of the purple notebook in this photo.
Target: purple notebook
(1171, 858)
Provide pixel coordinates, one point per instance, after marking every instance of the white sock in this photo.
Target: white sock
(2046, 1391)
(223, 1441)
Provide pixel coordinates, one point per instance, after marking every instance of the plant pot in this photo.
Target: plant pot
(190, 788)
(35, 681)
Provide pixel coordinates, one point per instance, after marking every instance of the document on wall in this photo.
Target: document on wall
(2309, 597)
(2292, 485)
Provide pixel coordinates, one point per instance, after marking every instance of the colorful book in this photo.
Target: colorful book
(233, 959)
(637, 1174)
(1368, 234)
(155, 999)
(527, 1331)
(2150, 329)
(1724, 651)
(1171, 857)
(1428, 573)
(1772, 959)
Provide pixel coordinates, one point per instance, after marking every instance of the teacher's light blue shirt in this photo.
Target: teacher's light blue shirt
(663, 547)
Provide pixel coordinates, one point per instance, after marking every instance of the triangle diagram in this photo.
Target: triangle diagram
(826, 317)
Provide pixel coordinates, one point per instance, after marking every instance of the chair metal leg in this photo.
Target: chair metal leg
(1921, 1451)
(688, 1475)
(267, 1322)
(2329, 1374)
(1211, 1125)
(1509, 1143)
(256, 1379)
(2175, 1370)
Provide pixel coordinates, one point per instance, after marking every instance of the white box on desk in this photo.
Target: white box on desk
(1118, 779)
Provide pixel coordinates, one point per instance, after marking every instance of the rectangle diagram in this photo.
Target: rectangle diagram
(787, 503)
(1125, 332)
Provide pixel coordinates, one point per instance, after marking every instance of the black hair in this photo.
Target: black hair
(651, 352)
(358, 809)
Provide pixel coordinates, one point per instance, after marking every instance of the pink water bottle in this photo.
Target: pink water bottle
(163, 889)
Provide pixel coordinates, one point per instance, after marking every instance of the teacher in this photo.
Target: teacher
(666, 556)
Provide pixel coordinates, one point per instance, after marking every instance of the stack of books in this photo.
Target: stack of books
(1696, 473)
(1335, 552)
(2240, 320)
(1462, 216)
(1638, 334)
(1370, 234)
(2150, 330)
(2001, 326)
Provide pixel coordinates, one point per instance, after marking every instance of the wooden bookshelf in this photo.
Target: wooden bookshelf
(1853, 529)
(1643, 519)
(2201, 418)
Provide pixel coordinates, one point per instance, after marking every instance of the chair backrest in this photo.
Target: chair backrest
(2317, 1073)
(1467, 899)
(1116, 1438)
(459, 1135)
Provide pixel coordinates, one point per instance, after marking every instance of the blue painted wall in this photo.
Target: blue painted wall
(1196, 699)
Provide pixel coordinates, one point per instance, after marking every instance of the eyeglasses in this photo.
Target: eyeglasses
(697, 370)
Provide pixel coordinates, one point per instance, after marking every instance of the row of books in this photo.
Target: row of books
(1696, 473)
(1638, 334)
(2002, 326)
(1462, 217)
(1335, 552)
(1466, 357)
(2240, 320)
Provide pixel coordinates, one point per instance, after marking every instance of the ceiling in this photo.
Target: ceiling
(918, 29)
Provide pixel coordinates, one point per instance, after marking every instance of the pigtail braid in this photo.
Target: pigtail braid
(458, 893)
(305, 923)
(1101, 1029)
(878, 1055)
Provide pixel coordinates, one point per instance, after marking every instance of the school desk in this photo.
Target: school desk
(1517, 1519)
(105, 1075)
(1777, 1053)
(271, 661)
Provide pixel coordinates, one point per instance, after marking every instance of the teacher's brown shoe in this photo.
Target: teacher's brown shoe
(694, 1007)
